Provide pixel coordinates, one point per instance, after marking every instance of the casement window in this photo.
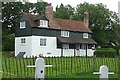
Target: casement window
(91, 47)
(22, 25)
(83, 47)
(65, 46)
(78, 46)
(23, 40)
(65, 33)
(42, 42)
(85, 35)
(43, 23)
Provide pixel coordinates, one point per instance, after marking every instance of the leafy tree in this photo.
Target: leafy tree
(64, 12)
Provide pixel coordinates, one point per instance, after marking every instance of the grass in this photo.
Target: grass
(65, 67)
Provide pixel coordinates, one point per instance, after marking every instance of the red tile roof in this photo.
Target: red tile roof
(57, 23)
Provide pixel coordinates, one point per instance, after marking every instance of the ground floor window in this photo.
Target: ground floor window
(90, 46)
(83, 46)
(65, 46)
(42, 42)
(78, 46)
(23, 40)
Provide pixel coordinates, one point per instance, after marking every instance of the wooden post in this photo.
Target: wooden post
(86, 50)
(94, 62)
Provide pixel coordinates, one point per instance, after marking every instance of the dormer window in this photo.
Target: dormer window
(43, 23)
(65, 33)
(22, 25)
(85, 35)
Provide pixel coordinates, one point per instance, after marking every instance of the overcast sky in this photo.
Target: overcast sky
(111, 4)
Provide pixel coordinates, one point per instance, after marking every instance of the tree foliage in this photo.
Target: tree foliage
(67, 10)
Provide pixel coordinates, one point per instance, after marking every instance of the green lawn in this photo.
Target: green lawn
(63, 67)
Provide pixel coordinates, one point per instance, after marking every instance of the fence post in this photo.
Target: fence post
(39, 68)
(103, 72)
(94, 63)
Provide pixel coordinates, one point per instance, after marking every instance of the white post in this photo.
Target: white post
(103, 72)
(39, 68)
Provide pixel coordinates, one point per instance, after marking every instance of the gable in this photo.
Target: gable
(43, 18)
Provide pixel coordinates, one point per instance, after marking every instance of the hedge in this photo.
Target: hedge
(105, 52)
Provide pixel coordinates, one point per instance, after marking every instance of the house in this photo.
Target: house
(48, 36)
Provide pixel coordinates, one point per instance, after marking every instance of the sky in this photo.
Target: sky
(111, 4)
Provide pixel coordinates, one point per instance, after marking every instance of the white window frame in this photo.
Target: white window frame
(42, 41)
(85, 35)
(44, 23)
(65, 46)
(65, 33)
(22, 25)
(23, 40)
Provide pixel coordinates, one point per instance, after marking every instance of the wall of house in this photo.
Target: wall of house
(23, 32)
(55, 33)
(23, 47)
(32, 47)
(49, 50)
(68, 52)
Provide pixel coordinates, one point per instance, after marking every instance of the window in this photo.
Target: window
(22, 40)
(42, 42)
(65, 46)
(85, 35)
(78, 46)
(43, 23)
(91, 47)
(83, 46)
(22, 25)
(65, 33)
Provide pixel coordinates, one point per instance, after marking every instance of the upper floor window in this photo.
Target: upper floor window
(42, 42)
(65, 33)
(85, 35)
(23, 40)
(22, 25)
(43, 23)
(65, 46)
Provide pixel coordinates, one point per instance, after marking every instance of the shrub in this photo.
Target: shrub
(105, 52)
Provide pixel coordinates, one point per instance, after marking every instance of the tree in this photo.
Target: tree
(101, 21)
(64, 12)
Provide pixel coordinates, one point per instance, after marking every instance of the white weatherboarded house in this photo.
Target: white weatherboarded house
(48, 36)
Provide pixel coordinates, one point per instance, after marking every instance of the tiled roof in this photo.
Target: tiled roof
(57, 23)
(77, 40)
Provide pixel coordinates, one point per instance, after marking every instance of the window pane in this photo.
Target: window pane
(65, 46)
(22, 25)
(65, 33)
(42, 42)
(43, 23)
(22, 40)
(85, 35)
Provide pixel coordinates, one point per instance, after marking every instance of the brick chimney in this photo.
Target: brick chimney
(49, 11)
(86, 18)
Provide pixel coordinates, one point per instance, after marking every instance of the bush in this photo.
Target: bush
(105, 52)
